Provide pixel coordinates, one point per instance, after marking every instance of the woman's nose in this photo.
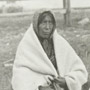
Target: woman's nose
(47, 26)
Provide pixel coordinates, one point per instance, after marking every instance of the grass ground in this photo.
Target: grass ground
(12, 30)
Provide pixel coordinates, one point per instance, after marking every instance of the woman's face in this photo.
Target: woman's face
(46, 27)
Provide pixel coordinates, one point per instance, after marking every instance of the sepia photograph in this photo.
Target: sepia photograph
(44, 44)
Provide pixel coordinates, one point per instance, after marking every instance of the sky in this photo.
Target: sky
(33, 4)
(80, 3)
(43, 4)
(55, 3)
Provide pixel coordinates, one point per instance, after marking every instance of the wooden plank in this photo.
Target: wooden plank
(62, 11)
(8, 63)
(16, 14)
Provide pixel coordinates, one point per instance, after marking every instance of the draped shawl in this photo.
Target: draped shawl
(32, 66)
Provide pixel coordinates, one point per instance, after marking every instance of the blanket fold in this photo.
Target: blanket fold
(32, 66)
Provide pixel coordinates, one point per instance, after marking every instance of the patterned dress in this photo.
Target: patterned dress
(48, 47)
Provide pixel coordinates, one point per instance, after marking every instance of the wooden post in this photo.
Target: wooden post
(67, 19)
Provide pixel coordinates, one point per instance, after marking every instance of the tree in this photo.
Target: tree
(11, 1)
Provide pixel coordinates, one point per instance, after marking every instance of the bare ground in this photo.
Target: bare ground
(12, 30)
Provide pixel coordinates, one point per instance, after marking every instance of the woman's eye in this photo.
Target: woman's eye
(44, 22)
(49, 22)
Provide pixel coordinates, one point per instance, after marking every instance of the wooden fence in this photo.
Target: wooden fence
(66, 5)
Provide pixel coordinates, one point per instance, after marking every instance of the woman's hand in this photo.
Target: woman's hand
(60, 81)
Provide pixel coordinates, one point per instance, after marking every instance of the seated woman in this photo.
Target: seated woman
(45, 60)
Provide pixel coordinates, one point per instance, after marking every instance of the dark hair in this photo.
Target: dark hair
(43, 15)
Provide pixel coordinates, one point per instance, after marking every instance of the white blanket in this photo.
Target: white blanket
(32, 67)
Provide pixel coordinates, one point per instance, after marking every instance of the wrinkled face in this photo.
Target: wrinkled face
(45, 27)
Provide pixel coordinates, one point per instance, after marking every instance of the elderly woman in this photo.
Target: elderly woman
(45, 61)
